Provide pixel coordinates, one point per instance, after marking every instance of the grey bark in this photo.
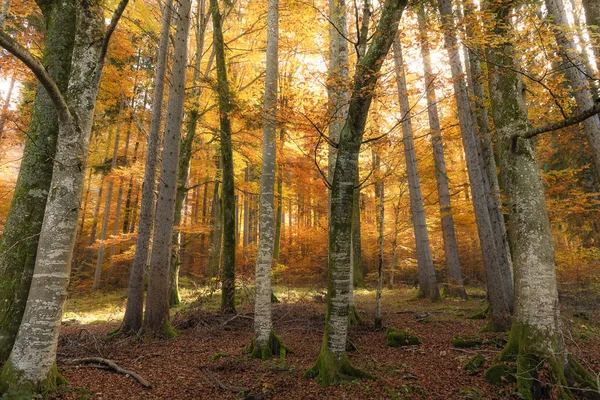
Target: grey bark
(450, 246)
(24, 221)
(572, 62)
(380, 221)
(427, 281)
(4, 12)
(156, 318)
(31, 364)
(494, 259)
(132, 320)
(592, 18)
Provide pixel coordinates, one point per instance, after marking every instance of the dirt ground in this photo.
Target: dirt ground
(206, 360)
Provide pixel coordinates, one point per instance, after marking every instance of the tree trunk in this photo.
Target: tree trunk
(427, 281)
(228, 195)
(572, 62)
(333, 365)
(536, 341)
(132, 320)
(246, 238)
(380, 209)
(6, 105)
(4, 12)
(216, 232)
(592, 18)
(156, 319)
(24, 221)
(265, 343)
(456, 285)
(494, 259)
(31, 366)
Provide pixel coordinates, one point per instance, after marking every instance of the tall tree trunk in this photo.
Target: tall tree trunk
(494, 259)
(108, 202)
(156, 319)
(31, 365)
(6, 105)
(357, 269)
(580, 88)
(265, 343)
(246, 238)
(279, 217)
(228, 194)
(333, 365)
(24, 221)
(132, 320)
(427, 281)
(216, 233)
(456, 285)
(4, 12)
(592, 18)
(544, 366)
(380, 209)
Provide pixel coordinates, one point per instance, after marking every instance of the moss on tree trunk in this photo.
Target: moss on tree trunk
(274, 347)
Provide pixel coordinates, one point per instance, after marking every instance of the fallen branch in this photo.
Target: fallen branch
(220, 384)
(236, 316)
(475, 351)
(114, 367)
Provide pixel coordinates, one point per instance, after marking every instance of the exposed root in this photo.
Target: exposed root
(113, 367)
(332, 369)
(274, 347)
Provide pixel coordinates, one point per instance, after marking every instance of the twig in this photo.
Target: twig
(220, 384)
(475, 352)
(235, 317)
(114, 367)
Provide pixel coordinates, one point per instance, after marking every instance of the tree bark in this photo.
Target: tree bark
(332, 364)
(24, 221)
(228, 195)
(592, 18)
(427, 281)
(494, 259)
(31, 365)
(6, 105)
(132, 320)
(156, 318)
(544, 367)
(380, 221)
(456, 285)
(572, 63)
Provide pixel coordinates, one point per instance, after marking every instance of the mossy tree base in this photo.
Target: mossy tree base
(397, 338)
(167, 331)
(12, 382)
(274, 347)
(331, 369)
(353, 316)
(542, 370)
(454, 291)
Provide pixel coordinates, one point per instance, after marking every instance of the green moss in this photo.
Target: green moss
(353, 316)
(332, 369)
(499, 374)
(398, 338)
(12, 381)
(480, 314)
(218, 356)
(474, 364)
(274, 298)
(465, 342)
(470, 393)
(274, 347)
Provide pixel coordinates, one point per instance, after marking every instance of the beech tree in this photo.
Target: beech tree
(536, 341)
(31, 365)
(333, 365)
(26, 214)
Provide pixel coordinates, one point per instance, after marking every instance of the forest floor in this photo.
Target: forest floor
(207, 361)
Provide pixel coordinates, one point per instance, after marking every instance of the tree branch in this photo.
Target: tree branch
(574, 119)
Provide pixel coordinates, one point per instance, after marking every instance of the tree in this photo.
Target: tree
(31, 365)
(456, 285)
(592, 18)
(536, 342)
(380, 221)
(265, 343)
(427, 281)
(24, 221)
(494, 256)
(132, 320)
(227, 192)
(156, 318)
(333, 365)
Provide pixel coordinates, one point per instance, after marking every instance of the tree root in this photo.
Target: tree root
(274, 347)
(332, 369)
(113, 367)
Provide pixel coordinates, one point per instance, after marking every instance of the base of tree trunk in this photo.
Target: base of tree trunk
(431, 294)
(455, 291)
(167, 331)
(331, 369)
(353, 316)
(542, 369)
(13, 384)
(174, 298)
(274, 347)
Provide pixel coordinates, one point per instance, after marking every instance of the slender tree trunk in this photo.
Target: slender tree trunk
(4, 12)
(228, 194)
(456, 285)
(357, 269)
(279, 218)
(156, 319)
(380, 209)
(246, 209)
(31, 366)
(265, 343)
(333, 365)
(132, 321)
(592, 18)
(494, 259)
(427, 281)
(544, 366)
(580, 88)
(92, 238)
(24, 221)
(6, 105)
(216, 232)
